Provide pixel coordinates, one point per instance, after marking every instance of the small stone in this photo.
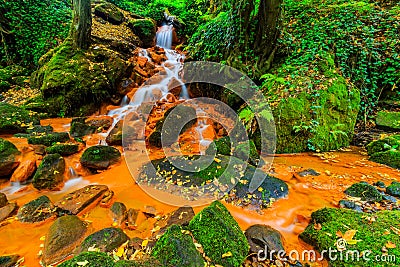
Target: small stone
(132, 217)
(7, 211)
(150, 211)
(308, 172)
(118, 213)
(3, 200)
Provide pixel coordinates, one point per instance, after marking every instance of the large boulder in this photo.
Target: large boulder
(64, 235)
(319, 121)
(388, 120)
(109, 12)
(220, 235)
(50, 173)
(8, 157)
(175, 248)
(37, 210)
(16, 119)
(63, 149)
(265, 238)
(364, 191)
(356, 232)
(100, 157)
(385, 151)
(145, 29)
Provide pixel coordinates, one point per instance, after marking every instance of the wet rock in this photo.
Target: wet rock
(109, 12)
(135, 243)
(50, 173)
(80, 129)
(364, 191)
(388, 120)
(145, 29)
(385, 151)
(265, 238)
(100, 157)
(181, 216)
(39, 149)
(90, 259)
(37, 210)
(180, 118)
(150, 211)
(114, 138)
(24, 171)
(63, 149)
(118, 213)
(393, 189)
(8, 157)
(157, 58)
(40, 129)
(350, 205)
(308, 172)
(177, 249)
(380, 184)
(64, 235)
(7, 211)
(105, 240)
(389, 157)
(100, 122)
(16, 119)
(175, 87)
(9, 260)
(150, 262)
(3, 200)
(132, 217)
(218, 232)
(77, 201)
(48, 139)
(389, 198)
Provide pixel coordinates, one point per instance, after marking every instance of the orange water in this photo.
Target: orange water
(290, 215)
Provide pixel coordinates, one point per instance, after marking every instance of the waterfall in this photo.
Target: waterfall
(164, 36)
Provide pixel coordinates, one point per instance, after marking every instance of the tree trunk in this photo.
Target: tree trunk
(81, 24)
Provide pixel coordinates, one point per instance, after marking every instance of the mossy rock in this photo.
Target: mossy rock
(371, 235)
(364, 191)
(9, 260)
(109, 12)
(151, 262)
(388, 120)
(321, 121)
(50, 173)
(175, 248)
(63, 149)
(100, 157)
(37, 210)
(79, 129)
(12, 75)
(180, 118)
(40, 129)
(91, 259)
(387, 143)
(8, 157)
(16, 119)
(390, 158)
(48, 139)
(75, 82)
(145, 29)
(218, 232)
(393, 189)
(105, 240)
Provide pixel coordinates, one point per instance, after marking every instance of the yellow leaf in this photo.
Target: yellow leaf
(349, 235)
(217, 160)
(390, 244)
(144, 243)
(227, 254)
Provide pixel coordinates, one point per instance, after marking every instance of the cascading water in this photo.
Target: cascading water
(164, 36)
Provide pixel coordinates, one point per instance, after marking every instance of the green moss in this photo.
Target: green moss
(100, 157)
(218, 232)
(175, 248)
(109, 12)
(7, 148)
(80, 129)
(388, 143)
(393, 189)
(16, 119)
(106, 240)
(371, 235)
(388, 120)
(390, 158)
(48, 139)
(50, 172)
(145, 29)
(144, 263)
(63, 149)
(222, 146)
(364, 191)
(91, 259)
(8, 159)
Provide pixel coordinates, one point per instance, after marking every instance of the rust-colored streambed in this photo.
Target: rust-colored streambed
(290, 216)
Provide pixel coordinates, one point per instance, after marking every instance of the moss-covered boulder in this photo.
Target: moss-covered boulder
(109, 12)
(388, 120)
(308, 115)
(145, 29)
(75, 82)
(48, 139)
(63, 237)
(50, 173)
(9, 260)
(12, 75)
(105, 240)
(385, 151)
(151, 262)
(364, 191)
(80, 129)
(90, 259)
(371, 236)
(100, 157)
(16, 119)
(220, 235)
(175, 248)
(37, 210)
(63, 149)
(8, 157)
(393, 189)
